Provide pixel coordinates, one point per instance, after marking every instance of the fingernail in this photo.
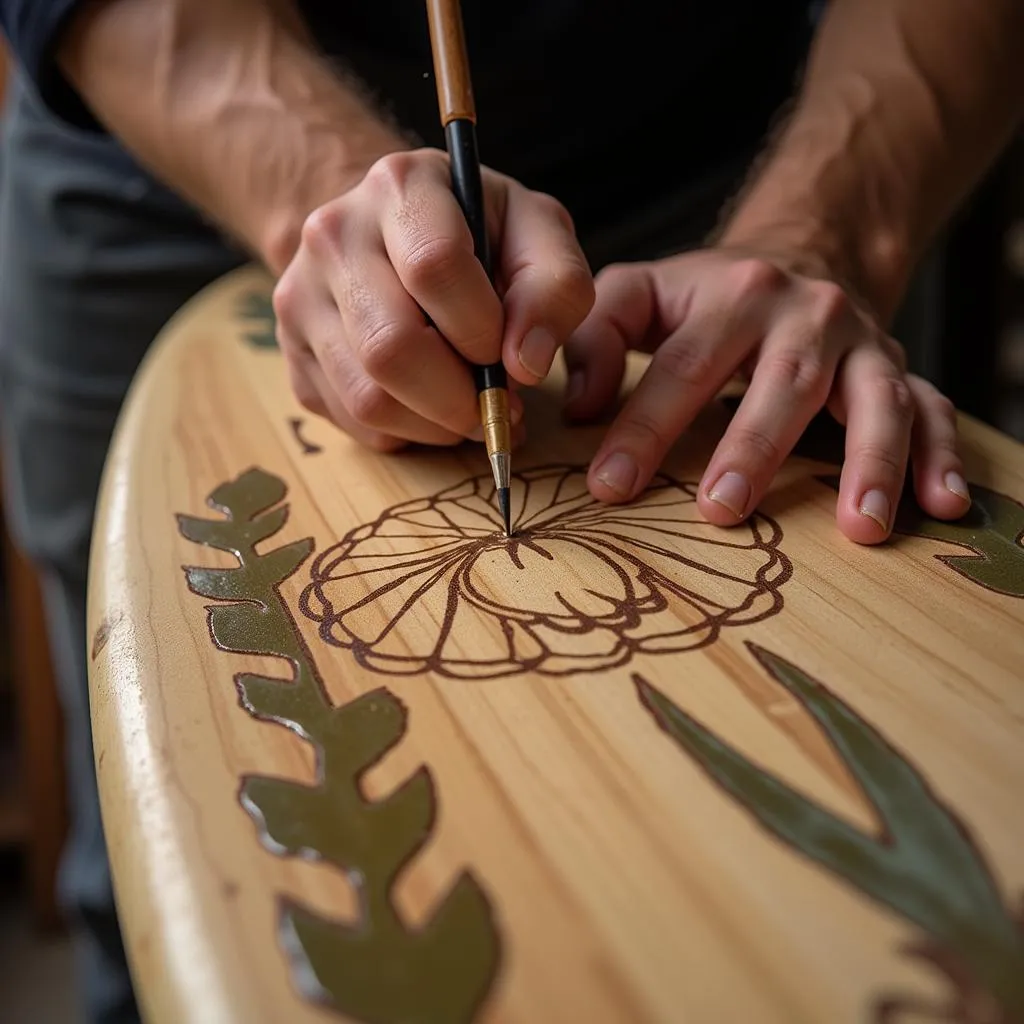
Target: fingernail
(619, 472)
(958, 485)
(537, 351)
(732, 491)
(575, 386)
(515, 412)
(476, 434)
(876, 505)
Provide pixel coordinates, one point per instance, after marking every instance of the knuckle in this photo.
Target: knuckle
(944, 406)
(934, 400)
(577, 289)
(322, 228)
(830, 302)
(553, 208)
(895, 392)
(687, 366)
(945, 443)
(433, 263)
(647, 431)
(801, 374)
(369, 404)
(895, 351)
(767, 450)
(882, 457)
(753, 276)
(391, 172)
(284, 299)
(381, 351)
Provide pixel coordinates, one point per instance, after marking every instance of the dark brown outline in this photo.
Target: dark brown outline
(448, 560)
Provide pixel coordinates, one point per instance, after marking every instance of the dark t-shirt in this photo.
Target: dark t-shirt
(596, 102)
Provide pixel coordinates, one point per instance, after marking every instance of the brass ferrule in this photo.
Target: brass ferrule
(495, 418)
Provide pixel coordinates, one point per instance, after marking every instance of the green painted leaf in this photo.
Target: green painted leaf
(284, 701)
(249, 494)
(375, 969)
(438, 975)
(257, 311)
(366, 728)
(237, 627)
(993, 529)
(319, 822)
(233, 535)
(925, 865)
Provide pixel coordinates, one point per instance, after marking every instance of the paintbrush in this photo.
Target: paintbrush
(458, 116)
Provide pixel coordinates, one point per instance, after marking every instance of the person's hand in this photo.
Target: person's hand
(803, 345)
(373, 264)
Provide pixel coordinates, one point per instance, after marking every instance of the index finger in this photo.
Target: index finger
(686, 372)
(430, 246)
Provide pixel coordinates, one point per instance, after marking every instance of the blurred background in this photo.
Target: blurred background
(972, 348)
(36, 964)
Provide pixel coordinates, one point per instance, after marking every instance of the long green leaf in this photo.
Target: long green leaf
(924, 866)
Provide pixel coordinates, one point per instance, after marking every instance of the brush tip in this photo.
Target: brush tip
(505, 504)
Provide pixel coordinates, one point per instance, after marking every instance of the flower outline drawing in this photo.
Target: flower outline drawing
(433, 585)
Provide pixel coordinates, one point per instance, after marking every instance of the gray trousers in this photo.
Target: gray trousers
(94, 259)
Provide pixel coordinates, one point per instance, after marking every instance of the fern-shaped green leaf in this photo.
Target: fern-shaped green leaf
(249, 494)
(241, 627)
(255, 576)
(437, 975)
(362, 731)
(318, 822)
(376, 969)
(257, 309)
(284, 701)
(234, 535)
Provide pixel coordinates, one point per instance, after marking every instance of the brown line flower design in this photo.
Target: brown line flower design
(433, 584)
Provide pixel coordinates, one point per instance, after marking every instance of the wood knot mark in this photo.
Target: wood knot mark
(102, 634)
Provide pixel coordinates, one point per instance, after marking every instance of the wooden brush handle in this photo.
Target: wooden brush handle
(451, 61)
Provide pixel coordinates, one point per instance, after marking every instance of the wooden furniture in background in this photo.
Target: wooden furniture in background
(39, 800)
(12, 803)
(358, 752)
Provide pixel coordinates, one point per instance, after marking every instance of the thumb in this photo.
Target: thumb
(624, 314)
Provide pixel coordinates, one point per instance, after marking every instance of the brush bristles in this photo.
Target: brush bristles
(505, 504)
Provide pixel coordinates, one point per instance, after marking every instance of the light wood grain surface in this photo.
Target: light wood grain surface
(678, 773)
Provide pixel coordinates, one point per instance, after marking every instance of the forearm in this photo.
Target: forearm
(230, 104)
(904, 105)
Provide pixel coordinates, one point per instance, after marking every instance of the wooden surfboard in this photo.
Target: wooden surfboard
(362, 759)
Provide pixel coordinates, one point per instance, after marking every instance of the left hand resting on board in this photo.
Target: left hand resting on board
(802, 343)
